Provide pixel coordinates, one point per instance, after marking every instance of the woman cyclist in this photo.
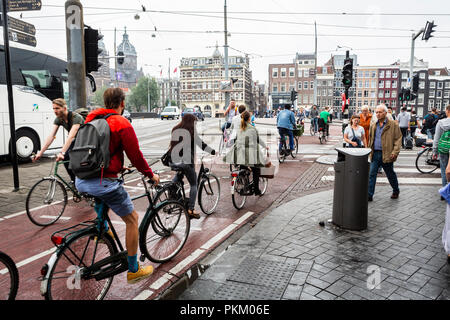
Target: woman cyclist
(182, 151)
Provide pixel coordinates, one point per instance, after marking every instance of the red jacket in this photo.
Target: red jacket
(123, 138)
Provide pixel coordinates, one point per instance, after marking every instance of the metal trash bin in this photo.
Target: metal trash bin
(351, 185)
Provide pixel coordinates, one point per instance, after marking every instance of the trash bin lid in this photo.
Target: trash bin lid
(355, 152)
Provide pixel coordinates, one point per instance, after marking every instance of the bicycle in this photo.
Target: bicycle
(281, 155)
(208, 189)
(9, 278)
(323, 135)
(225, 141)
(242, 186)
(424, 160)
(87, 258)
(52, 192)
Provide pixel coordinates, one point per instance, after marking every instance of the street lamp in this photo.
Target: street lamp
(148, 85)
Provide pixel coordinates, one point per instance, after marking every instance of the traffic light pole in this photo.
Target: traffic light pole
(75, 54)
(227, 93)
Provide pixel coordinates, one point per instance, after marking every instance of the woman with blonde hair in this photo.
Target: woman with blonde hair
(246, 151)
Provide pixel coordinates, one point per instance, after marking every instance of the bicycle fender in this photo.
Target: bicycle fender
(50, 264)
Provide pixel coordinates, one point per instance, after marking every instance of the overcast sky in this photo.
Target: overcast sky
(263, 49)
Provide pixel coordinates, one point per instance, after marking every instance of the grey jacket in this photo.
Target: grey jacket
(247, 149)
(442, 126)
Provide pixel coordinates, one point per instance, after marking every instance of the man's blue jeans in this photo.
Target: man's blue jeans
(283, 132)
(377, 161)
(443, 159)
(315, 123)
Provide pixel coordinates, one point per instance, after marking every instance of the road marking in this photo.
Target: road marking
(144, 295)
(53, 217)
(211, 242)
(244, 217)
(397, 170)
(31, 259)
(424, 181)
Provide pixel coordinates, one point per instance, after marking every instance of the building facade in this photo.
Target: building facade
(389, 86)
(169, 90)
(200, 79)
(325, 86)
(366, 84)
(305, 69)
(282, 78)
(438, 89)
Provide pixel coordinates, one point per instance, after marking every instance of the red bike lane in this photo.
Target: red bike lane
(30, 245)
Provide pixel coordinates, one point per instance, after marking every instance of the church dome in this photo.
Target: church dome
(126, 47)
(217, 53)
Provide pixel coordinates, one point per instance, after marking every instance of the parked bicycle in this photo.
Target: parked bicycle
(424, 160)
(208, 192)
(51, 192)
(9, 278)
(87, 257)
(242, 186)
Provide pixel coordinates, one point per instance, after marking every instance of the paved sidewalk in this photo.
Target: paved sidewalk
(288, 255)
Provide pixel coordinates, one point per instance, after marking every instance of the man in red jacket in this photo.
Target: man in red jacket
(109, 188)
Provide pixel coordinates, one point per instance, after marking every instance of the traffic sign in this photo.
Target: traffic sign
(19, 25)
(24, 5)
(22, 38)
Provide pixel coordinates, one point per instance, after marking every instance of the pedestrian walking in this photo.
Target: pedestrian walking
(403, 122)
(429, 123)
(354, 134)
(365, 119)
(385, 141)
(315, 118)
(413, 124)
(441, 143)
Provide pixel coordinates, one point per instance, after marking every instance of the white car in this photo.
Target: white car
(170, 113)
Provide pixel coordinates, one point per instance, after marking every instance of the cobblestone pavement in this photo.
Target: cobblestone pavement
(401, 247)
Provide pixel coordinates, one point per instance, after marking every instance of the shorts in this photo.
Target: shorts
(110, 191)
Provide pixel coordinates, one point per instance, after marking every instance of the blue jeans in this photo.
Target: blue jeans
(443, 160)
(430, 134)
(315, 123)
(283, 132)
(377, 161)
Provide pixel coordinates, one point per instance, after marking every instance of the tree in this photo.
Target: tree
(97, 99)
(138, 97)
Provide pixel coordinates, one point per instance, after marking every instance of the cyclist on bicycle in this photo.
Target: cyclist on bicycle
(230, 112)
(325, 115)
(246, 151)
(185, 161)
(109, 189)
(314, 114)
(70, 121)
(285, 125)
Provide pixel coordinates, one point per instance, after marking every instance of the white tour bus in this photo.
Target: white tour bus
(37, 79)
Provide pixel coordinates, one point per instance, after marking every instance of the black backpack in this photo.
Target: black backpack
(90, 153)
(431, 121)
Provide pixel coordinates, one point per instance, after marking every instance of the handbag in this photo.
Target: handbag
(269, 172)
(166, 159)
(355, 139)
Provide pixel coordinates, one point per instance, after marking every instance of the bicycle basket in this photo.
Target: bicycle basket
(299, 131)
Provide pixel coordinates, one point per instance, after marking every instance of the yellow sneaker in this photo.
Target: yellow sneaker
(111, 234)
(142, 273)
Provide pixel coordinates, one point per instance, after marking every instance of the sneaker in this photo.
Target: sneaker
(193, 214)
(142, 273)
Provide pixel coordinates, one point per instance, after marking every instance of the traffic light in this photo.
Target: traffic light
(347, 73)
(428, 30)
(415, 83)
(407, 95)
(91, 49)
(412, 97)
(293, 95)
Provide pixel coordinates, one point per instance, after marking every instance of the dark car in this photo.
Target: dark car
(195, 111)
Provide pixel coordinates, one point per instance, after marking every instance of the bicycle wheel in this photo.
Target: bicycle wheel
(311, 129)
(424, 162)
(50, 193)
(165, 233)
(281, 154)
(236, 193)
(295, 151)
(221, 145)
(209, 193)
(263, 182)
(9, 278)
(68, 279)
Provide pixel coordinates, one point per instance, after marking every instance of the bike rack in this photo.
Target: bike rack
(60, 237)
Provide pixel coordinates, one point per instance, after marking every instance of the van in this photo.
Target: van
(170, 112)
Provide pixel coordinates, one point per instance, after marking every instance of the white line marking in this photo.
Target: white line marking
(219, 236)
(161, 281)
(244, 217)
(31, 259)
(144, 295)
(424, 181)
(53, 217)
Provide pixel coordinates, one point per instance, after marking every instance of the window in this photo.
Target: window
(300, 73)
(291, 86)
(420, 98)
(366, 74)
(439, 94)
(422, 75)
(291, 72)
(283, 87)
(359, 94)
(306, 73)
(311, 85)
(388, 83)
(447, 94)
(394, 74)
(360, 84)
(381, 94)
(299, 85)
(366, 94)
(305, 85)
(432, 94)
(438, 104)
(275, 88)
(432, 84)
(388, 73)
(381, 74)
(447, 85)
(404, 75)
(366, 84)
(387, 94)
(373, 74)
(422, 85)
(381, 84)
(394, 84)
(394, 94)
(324, 70)
(283, 72)
(431, 103)
(440, 85)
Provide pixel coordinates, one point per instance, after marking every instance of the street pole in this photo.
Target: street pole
(148, 93)
(227, 93)
(115, 61)
(12, 123)
(170, 87)
(411, 61)
(75, 54)
(315, 65)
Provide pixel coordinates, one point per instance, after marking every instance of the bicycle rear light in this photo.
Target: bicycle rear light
(57, 240)
(44, 270)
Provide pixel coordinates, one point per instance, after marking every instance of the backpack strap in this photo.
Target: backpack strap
(70, 120)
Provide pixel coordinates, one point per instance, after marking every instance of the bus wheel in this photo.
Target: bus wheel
(26, 144)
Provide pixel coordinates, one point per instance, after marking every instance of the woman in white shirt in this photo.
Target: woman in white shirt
(353, 133)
